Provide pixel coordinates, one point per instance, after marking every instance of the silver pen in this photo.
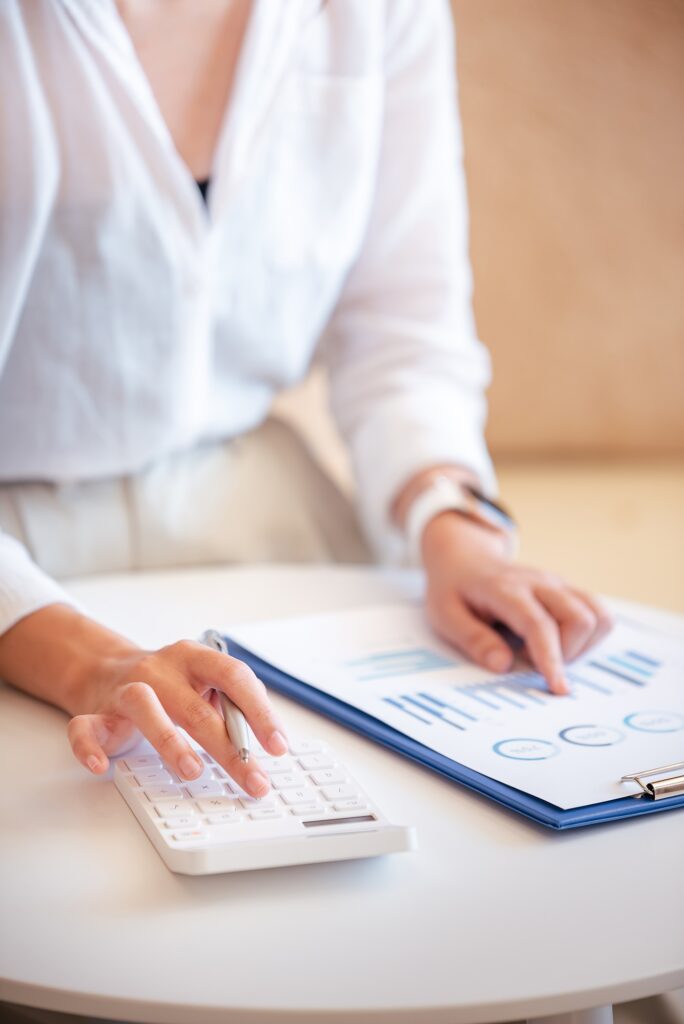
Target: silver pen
(236, 725)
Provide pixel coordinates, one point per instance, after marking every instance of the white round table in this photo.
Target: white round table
(491, 919)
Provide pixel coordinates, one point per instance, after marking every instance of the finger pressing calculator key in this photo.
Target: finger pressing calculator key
(316, 811)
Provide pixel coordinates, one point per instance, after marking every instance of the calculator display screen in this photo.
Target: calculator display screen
(339, 821)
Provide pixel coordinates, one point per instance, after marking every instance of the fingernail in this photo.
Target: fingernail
(497, 660)
(277, 743)
(561, 686)
(93, 762)
(190, 766)
(257, 784)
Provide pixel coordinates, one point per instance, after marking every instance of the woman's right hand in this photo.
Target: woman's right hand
(151, 692)
(118, 692)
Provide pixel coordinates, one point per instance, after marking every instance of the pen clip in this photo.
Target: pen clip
(212, 638)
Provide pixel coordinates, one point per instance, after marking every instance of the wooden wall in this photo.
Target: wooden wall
(573, 114)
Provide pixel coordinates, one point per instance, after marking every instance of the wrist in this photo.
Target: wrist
(99, 660)
(61, 656)
(91, 678)
(463, 538)
(461, 500)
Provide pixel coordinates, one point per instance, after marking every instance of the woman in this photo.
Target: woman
(144, 329)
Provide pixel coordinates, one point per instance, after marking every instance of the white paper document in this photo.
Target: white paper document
(625, 713)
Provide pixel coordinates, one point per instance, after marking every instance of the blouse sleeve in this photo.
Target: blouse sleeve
(24, 588)
(407, 372)
(27, 185)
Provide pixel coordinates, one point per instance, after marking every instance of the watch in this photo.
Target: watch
(446, 495)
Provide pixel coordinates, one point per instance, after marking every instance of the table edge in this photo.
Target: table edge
(149, 1012)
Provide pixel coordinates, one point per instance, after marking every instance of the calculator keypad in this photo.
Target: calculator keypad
(308, 784)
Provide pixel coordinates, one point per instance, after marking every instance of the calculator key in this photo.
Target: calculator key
(310, 807)
(265, 813)
(223, 818)
(250, 802)
(168, 792)
(207, 758)
(189, 833)
(305, 747)
(205, 787)
(231, 788)
(174, 808)
(311, 762)
(143, 761)
(214, 804)
(277, 765)
(258, 752)
(148, 777)
(339, 792)
(351, 805)
(328, 776)
(182, 821)
(297, 796)
(287, 780)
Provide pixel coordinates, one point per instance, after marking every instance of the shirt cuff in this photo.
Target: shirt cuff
(24, 588)
(395, 445)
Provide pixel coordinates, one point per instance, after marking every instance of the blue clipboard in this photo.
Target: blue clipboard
(514, 799)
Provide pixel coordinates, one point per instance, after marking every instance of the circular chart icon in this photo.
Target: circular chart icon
(655, 721)
(524, 748)
(591, 735)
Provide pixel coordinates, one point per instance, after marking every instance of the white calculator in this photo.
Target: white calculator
(315, 812)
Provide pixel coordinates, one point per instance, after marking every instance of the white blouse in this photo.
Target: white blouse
(135, 321)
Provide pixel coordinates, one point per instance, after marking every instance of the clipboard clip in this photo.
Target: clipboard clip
(659, 789)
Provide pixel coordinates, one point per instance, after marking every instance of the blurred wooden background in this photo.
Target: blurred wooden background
(573, 118)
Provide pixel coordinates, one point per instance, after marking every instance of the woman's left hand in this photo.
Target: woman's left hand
(472, 583)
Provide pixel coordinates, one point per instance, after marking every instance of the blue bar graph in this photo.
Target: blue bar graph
(446, 704)
(407, 711)
(642, 657)
(470, 691)
(623, 663)
(462, 707)
(389, 664)
(507, 699)
(578, 680)
(424, 706)
(627, 666)
(517, 688)
(609, 670)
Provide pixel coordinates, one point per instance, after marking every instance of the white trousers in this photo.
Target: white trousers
(259, 498)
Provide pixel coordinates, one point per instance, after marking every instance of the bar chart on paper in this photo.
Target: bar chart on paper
(625, 711)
